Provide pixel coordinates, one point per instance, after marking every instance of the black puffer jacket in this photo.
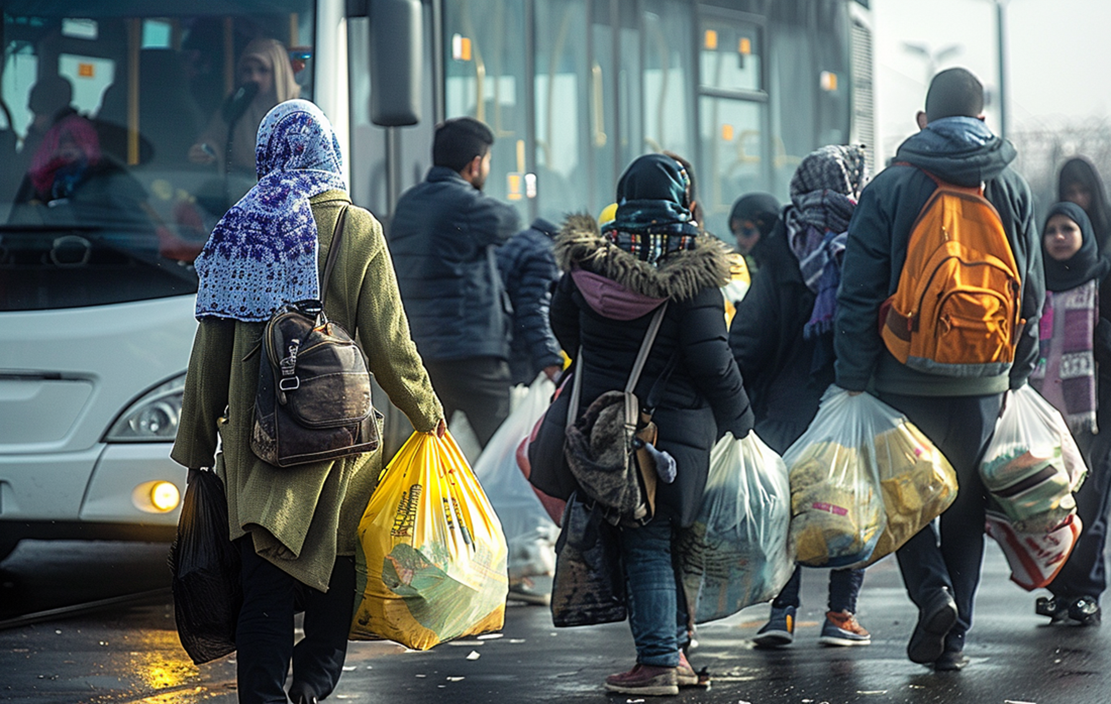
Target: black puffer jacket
(442, 239)
(767, 342)
(529, 270)
(605, 304)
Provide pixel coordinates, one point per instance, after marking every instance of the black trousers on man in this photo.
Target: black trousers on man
(478, 386)
(264, 634)
(961, 427)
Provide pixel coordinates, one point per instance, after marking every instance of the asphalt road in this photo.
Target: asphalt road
(130, 653)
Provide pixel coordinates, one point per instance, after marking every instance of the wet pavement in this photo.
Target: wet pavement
(130, 653)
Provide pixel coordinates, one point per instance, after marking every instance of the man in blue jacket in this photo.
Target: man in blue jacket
(528, 267)
(443, 238)
(958, 413)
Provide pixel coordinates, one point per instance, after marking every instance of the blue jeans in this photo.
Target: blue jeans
(844, 586)
(657, 612)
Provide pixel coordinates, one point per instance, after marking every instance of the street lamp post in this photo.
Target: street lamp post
(1001, 45)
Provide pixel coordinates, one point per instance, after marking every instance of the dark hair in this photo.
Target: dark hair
(50, 95)
(1080, 170)
(458, 141)
(954, 92)
(692, 187)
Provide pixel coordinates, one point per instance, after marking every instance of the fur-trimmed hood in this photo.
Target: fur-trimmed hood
(680, 276)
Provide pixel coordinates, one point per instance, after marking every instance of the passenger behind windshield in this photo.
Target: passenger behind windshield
(72, 182)
(265, 78)
(49, 103)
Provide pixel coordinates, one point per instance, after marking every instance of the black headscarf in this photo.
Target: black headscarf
(653, 209)
(1080, 170)
(1085, 265)
(762, 209)
(654, 194)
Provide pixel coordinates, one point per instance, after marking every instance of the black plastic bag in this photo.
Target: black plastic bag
(206, 567)
(589, 583)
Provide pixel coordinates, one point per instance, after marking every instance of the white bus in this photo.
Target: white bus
(102, 209)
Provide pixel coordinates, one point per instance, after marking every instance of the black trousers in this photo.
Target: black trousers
(478, 386)
(264, 636)
(1085, 572)
(961, 427)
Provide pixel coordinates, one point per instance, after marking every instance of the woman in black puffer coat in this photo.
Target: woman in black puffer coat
(654, 252)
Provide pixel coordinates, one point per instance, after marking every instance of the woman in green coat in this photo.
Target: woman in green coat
(295, 526)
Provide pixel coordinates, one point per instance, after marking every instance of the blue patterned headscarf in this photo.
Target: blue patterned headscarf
(263, 252)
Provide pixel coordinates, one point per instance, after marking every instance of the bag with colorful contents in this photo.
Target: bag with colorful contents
(1025, 468)
(431, 563)
(736, 553)
(916, 481)
(837, 511)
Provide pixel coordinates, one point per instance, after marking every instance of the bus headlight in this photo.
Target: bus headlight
(156, 497)
(153, 417)
(164, 496)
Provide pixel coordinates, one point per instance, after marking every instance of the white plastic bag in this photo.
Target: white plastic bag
(837, 511)
(1024, 466)
(1071, 458)
(736, 552)
(529, 532)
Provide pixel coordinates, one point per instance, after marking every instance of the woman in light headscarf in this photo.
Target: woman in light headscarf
(654, 252)
(295, 527)
(265, 72)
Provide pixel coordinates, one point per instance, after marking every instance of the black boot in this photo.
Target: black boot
(302, 694)
(1085, 611)
(1056, 609)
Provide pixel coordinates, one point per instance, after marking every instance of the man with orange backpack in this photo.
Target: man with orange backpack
(941, 289)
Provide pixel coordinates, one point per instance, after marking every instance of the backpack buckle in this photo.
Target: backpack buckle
(289, 383)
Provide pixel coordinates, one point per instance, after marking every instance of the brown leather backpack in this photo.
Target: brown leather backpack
(313, 399)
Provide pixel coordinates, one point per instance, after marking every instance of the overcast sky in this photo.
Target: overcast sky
(1058, 54)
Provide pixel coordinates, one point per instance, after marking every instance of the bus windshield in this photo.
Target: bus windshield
(128, 128)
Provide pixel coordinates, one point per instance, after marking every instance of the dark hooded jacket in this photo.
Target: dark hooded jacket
(605, 304)
(766, 337)
(962, 151)
(442, 237)
(529, 271)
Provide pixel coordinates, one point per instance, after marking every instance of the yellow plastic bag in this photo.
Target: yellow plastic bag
(431, 564)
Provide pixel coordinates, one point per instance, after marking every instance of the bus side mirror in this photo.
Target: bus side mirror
(396, 48)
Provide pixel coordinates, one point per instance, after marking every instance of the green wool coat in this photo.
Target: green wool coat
(300, 518)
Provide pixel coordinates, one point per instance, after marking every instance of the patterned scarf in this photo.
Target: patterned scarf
(1066, 368)
(824, 192)
(653, 216)
(263, 252)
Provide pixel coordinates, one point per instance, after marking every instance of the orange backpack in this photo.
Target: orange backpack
(956, 309)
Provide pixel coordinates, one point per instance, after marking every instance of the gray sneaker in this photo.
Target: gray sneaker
(779, 631)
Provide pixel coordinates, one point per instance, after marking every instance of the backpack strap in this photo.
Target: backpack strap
(634, 376)
(646, 347)
(333, 253)
(971, 190)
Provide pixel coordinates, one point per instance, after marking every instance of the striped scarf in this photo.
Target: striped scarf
(1065, 374)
